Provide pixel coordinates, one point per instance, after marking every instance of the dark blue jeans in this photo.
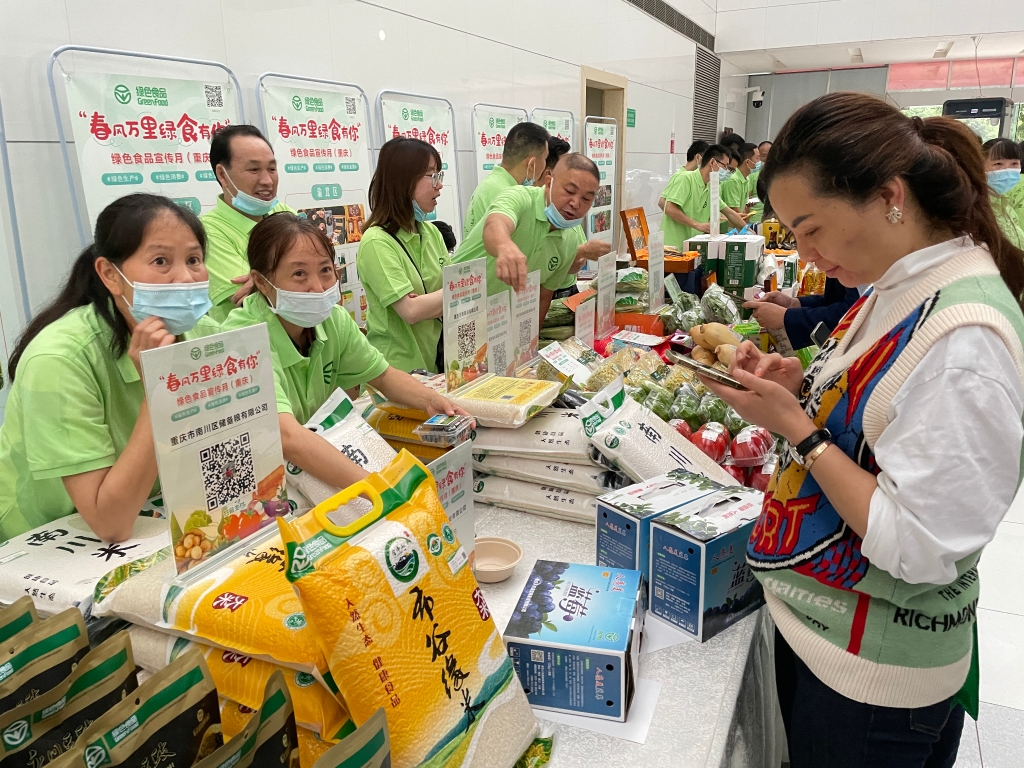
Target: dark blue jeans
(827, 730)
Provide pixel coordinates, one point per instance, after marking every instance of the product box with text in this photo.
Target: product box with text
(737, 269)
(710, 249)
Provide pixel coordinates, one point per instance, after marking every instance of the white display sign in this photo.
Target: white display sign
(656, 269)
(453, 475)
(526, 320)
(491, 125)
(213, 406)
(433, 123)
(465, 322)
(501, 361)
(557, 122)
(146, 134)
(715, 204)
(585, 315)
(605, 295)
(599, 144)
(321, 139)
(565, 364)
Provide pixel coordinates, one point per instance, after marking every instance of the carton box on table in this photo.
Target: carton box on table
(710, 248)
(699, 578)
(574, 638)
(737, 268)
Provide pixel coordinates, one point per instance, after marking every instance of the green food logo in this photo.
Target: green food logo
(196, 353)
(478, 487)
(122, 93)
(295, 621)
(304, 679)
(297, 102)
(95, 755)
(16, 733)
(612, 442)
(449, 535)
(490, 122)
(405, 113)
(552, 263)
(434, 544)
(402, 559)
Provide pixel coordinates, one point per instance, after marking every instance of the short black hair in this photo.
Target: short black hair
(523, 140)
(746, 152)
(579, 162)
(220, 142)
(1001, 149)
(713, 152)
(735, 155)
(731, 140)
(556, 148)
(698, 147)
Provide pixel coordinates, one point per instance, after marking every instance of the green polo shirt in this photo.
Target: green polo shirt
(693, 197)
(496, 182)
(734, 192)
(546, 249)
(227, 238)
(340, 356)
(1015, 197)
(573, 240)
(388, 273)
(675, 180)
(758, 207)
(71, 409)
(1006, 216)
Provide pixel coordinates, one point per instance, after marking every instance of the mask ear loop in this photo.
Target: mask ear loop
(129, 283)
(265, 296)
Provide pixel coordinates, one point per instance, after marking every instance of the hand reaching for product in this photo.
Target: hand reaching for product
(439, 404)
(149, 334)
(510, 267)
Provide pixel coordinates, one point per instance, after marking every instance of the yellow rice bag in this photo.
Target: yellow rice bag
(422, 451)
(394, 427)
(404, 626)
(311, 748)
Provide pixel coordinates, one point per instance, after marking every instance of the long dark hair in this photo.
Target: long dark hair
(120, 230)
(271, 238)
(401, 164)
(850, 144)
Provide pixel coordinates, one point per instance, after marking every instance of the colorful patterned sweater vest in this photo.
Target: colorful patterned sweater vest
(867, 635)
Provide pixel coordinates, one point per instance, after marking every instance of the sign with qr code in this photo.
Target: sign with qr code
(499, 335)
(558, 122)
(526, 319)
(213, 407)
(656, 270)
(146, 134)
(491, 125)
(600, 145)
(605, 295)
(321, 138)
(465, 322)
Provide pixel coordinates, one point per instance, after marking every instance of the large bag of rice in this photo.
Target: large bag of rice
(43, 729)
(243, 680)
(638, 442)
(422, 451)
(338, 422)
(368, 747)
(59, 564)
(374, 590)
(507, 403)
(40, 656)
(546, 500)
(554, 433)
(16, 616)
(585, 478)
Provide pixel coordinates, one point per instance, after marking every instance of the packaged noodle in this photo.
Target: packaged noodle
(43, 729)
(173, 718)
(499, 401)
(242, 679)
(554, 433)
(268, 739)
(547, 500)
(374, 590)
(368, 747)
(40, 657)
(636, 441)
(16, 617)
(586, 478)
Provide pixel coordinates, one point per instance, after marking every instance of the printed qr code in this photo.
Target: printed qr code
(525, 337)
(659, 593)
(498, 362)
(214, 96)
(228, 472)
(350, 105)
(467, 340)
(536, 655)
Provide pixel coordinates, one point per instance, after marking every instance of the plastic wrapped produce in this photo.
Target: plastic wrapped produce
(752, 447)
(690, 318)
(733, 421)
(713, 408)
(631, 302)
(686, 406)
(718, 307)
(713, 439)
(677, 377)
(558, 314)
(687, 301)
(659, 400)
(761, 476)
(631, 280)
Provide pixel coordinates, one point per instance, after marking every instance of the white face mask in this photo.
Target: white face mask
(303, 309)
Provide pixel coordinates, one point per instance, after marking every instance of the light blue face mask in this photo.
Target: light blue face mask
(419, 214)
(724, 173)
(179, 305)
(757, 165)
(557, 220)
(530, 180)
(1003, 180)
(248, 204)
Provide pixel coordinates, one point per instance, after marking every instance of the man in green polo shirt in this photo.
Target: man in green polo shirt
(757, 209)
(522, 162)
(244, 164)
(529, 228)
(735, 189)
(687, 203)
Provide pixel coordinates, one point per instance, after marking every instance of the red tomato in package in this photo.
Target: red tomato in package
(760, 476)
(752, 447)
(713, 439)
(681, 427)
(737, 472)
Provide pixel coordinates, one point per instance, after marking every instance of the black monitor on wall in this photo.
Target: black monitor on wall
(989, 118)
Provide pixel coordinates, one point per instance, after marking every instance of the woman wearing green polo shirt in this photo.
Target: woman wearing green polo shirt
(401, 255)
(315, 345)
(77, 433)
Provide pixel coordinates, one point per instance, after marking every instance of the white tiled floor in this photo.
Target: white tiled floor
(997, 739)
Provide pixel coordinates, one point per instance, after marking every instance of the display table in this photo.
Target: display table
(716, 706)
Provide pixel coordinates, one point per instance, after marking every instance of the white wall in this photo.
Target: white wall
(523, 53)
(732, 113)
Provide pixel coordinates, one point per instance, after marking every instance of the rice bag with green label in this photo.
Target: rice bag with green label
(16, 617)
(368, 747)
(631, 302)
(40, 657)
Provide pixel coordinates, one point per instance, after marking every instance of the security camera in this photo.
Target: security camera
(757, 98)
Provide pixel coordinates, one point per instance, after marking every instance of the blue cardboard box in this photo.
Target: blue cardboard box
(624, 517)
(574, 638)
(699, 577)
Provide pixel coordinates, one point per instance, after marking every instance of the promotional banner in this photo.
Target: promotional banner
(715, 204)
(218, 445)
(584, 320)
(557, 122)
(146, 134)
(465, 322)
(656, 269)
(499, 341)
(321, 139)
(526, 319)
(431, 122)
(491, 125)
(605, 295)
(453, 474)
(599, 146)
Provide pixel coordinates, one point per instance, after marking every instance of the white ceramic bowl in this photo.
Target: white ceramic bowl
(496, 558)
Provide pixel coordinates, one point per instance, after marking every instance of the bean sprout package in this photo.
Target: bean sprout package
(404, 625)
(638, 442)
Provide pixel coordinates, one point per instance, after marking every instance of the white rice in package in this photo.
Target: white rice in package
(340, 424)
(546, 500)
(585, 478)
(58, 564)
(507, 403)
(639, 443)
(554, 433)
